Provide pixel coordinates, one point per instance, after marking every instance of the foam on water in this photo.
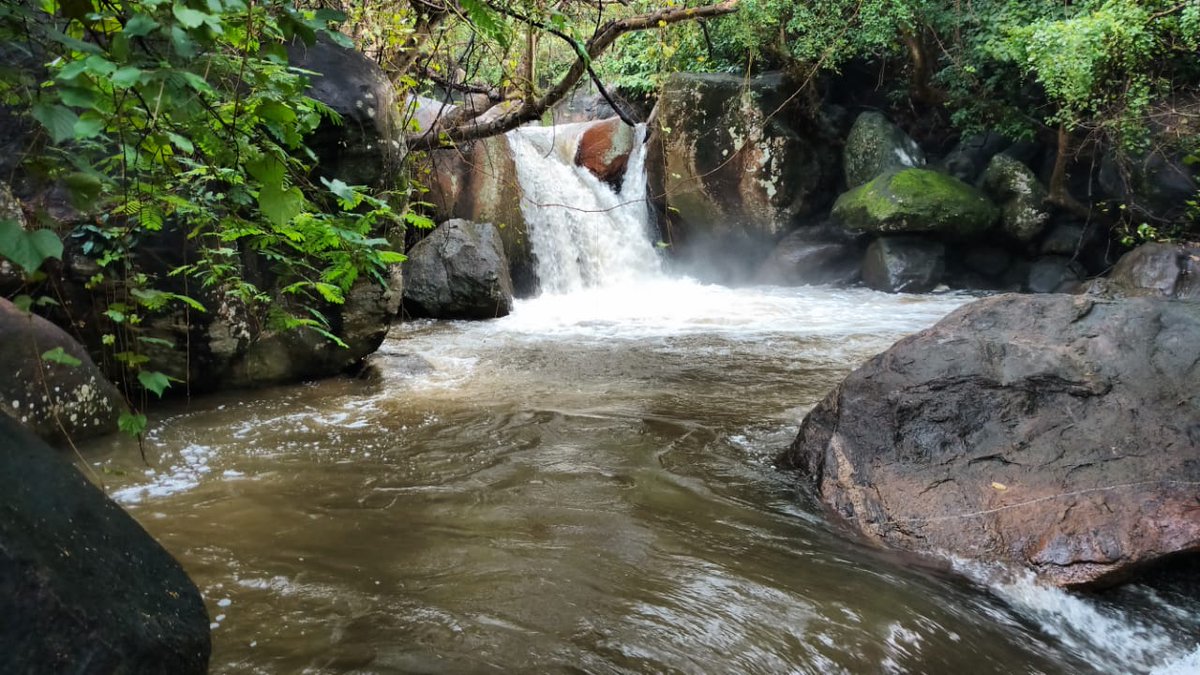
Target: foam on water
(1111, 638)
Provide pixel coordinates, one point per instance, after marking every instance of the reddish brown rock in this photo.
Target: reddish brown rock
(1057, 433)
(604, 149)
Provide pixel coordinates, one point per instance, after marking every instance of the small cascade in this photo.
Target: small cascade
(583, 234)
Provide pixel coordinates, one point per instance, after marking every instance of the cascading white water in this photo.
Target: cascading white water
(583, 233)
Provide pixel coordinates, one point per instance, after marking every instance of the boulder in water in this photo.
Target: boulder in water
(459, 271)
(604, 149)
(904, 264)
(1057, 433)
(83, 588)
(493, 195)
(916, 200)
(734, 164)
(56, 398)
(813, 256)
(876, 146)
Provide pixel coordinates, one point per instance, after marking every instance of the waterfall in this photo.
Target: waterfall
(583, 234)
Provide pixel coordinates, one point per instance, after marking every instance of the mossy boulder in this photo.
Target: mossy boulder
(876, 146)
(1022, 198)
(916, 200)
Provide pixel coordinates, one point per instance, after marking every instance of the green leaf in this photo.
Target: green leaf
(116, 316)
(154, 381)
(188, 17)
(127, 76)
(280, 206)
(89, 125)
(132, 424)
(57, 355)
(23, 302)
(28, 249)
(156, 341)
(139, 25)
(485, 21)
(58, 120)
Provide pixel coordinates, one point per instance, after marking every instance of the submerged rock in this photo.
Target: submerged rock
(1058, 433)
(904, 264)
(459, 271)
(876, 146)
(83, 588)
(55, 400)
(916, 200)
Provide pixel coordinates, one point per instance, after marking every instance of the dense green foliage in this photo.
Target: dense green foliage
(163, 115)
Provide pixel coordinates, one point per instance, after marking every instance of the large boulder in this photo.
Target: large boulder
(904, 264)
(1155, 186)
(876, 146)
(493, 195)
(1158, 269)
(62, 397)
(459, 271)
(1056, 433)
(1022, 199)
(364, 148)
(812, 255)
(970, 157)
(734, 164)
(916, 200)
(1054, 274)
(604, 149)
(83, 588)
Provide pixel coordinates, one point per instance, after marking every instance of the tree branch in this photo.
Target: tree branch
(528, 111)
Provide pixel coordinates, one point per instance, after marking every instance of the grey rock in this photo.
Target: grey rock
(1055, 433)
(83, 588)
(876, 146)
(56, 401)
(900, 264)
(365, 147)
(459, 271)
(1054, 274)
(812, 257)
(729, 170)
(1022, 199)
(1158, 269)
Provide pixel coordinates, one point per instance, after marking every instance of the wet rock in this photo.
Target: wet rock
(968, 159)
(493, 195)
(55, 400)
(916, 200)
(1158, 269)
(604, 149)
(459, 271)
(1054, 274)
(83, 588)
(876, 146)
(728, 170)
(812, 257)
(1057, 433)
(364, 148)
(1022, 199)
(989, 261)
(1155, 186)
(904, 264)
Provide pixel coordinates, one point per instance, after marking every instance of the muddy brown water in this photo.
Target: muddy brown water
(585, 486)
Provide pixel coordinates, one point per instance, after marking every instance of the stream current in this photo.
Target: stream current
(586, 486)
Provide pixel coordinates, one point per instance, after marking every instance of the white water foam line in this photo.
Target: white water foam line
(1110, 638)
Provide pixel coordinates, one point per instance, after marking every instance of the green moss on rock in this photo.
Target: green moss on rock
(916, 200)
